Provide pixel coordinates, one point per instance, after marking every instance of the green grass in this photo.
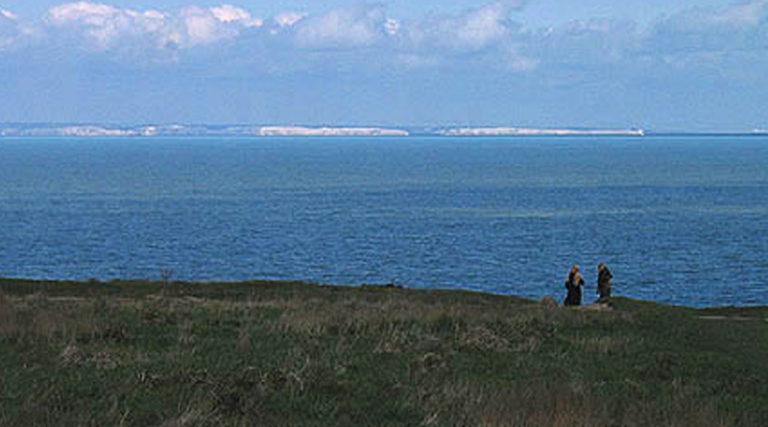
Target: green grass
(267, 353)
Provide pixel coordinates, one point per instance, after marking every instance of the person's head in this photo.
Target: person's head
(600, 267)
(575, 269)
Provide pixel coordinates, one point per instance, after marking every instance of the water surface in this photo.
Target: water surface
(678, 219)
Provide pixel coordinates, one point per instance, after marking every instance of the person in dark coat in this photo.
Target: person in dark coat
(604, 283)
(573, 284)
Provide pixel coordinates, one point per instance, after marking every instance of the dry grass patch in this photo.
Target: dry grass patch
(395, 337)
(604, 346)
(481, 338)
(73, 356)
(540, 403)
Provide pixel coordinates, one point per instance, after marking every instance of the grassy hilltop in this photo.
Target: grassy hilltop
(265, 353)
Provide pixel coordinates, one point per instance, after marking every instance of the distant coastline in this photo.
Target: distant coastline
(109, 130)
(101, 130)
(512, 131)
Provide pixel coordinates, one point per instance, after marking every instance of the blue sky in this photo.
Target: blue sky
(655, 64)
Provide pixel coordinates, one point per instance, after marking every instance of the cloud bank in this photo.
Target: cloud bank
(108, 29)
(427, 41)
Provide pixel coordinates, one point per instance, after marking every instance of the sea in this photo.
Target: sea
(678, 219)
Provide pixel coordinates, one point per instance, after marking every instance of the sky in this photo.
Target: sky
(664, 65)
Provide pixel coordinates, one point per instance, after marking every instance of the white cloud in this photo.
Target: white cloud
(475, 30)
(104, 27)
(11, 30)
(486, 35)
(482, 27)
(287, 19)
(392, 26)
(209, 25)
(357, 26)
(202, 26)
(7, 14)
(231, 14)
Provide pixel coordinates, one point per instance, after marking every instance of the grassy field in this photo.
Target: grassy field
(265, 353)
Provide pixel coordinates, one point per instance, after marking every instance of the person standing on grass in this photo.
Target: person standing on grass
(573, 284)
(604, 283)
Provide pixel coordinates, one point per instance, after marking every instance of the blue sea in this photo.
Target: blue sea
(678, 219)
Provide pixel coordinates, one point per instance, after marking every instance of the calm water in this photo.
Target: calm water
(679, 220)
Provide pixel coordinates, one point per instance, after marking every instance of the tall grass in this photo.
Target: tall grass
(178, 354)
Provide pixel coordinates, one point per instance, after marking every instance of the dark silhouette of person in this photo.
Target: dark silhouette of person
(604, 283)
(573, 284)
